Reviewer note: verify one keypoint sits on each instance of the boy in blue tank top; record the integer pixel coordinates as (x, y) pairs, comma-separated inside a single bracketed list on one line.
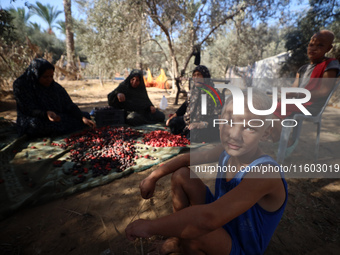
[(249, 199)]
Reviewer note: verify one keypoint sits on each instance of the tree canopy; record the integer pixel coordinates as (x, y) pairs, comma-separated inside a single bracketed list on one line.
[(126, 34), (174, 28), (47, 12)]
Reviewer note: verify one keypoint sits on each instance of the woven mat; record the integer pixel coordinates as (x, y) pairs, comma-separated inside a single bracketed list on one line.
[(37, 171)]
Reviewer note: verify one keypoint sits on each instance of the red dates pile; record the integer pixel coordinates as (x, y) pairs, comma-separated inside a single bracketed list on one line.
[(101, 150), (160, 138)]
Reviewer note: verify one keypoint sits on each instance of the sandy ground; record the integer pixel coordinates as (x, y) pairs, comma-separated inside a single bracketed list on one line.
[(94, 221)]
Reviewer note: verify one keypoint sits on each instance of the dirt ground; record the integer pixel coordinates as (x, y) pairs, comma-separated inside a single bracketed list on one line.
[(91, 222)]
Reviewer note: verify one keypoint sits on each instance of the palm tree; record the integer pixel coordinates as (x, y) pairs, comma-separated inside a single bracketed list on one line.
[(35, 26), (46, 12), (69, 36), (20, 15), (20, 19), (61, 26)]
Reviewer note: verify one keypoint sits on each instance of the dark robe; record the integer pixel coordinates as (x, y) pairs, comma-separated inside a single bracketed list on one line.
[(137, 102), (190, 111), (34, 100)]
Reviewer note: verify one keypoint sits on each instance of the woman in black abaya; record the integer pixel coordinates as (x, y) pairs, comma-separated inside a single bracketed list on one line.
[(44, 108), (131, 95)]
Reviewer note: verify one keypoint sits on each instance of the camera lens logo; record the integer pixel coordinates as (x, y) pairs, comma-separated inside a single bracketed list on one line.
[(209, 93)]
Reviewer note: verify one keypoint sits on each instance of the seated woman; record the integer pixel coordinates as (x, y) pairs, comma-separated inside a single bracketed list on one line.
[(43, 106), (131, 95), (188, 119)]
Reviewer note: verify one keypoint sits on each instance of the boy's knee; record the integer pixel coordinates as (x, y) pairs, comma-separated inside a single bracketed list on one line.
[(190, 246), (195, 246), (216, 242), (181, 175)]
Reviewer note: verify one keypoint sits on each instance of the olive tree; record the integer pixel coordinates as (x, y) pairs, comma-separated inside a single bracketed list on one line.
[(115, 32), (231, 48), (110, 35), (190, 25)]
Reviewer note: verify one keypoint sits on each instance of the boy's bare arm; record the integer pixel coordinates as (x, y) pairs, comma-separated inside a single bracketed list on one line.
[(327, 84), (294, 85), (147, 186), (206, 156), (198, 220), (296, 81)]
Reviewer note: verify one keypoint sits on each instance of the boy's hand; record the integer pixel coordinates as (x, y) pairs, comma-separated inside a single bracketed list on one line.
[(138, 228), (147, 187)]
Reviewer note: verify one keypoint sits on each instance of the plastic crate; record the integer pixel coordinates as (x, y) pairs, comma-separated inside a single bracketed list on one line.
[(108, 116)]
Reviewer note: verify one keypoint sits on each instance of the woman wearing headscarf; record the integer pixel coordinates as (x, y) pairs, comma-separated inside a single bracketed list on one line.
[(44, 108), (188, 120), (131, 95)]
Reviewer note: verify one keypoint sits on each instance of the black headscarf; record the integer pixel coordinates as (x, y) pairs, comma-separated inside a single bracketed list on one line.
[(193, 111), (136, 99), (34, 100), (203, 70), (36, 68)]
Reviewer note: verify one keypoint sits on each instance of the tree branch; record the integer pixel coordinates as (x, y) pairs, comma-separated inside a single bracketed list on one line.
[(153, 40), (228, 17)]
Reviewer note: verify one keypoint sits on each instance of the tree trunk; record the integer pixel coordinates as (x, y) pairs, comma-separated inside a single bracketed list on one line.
[(139, 43), (70, 66), (139, 50)]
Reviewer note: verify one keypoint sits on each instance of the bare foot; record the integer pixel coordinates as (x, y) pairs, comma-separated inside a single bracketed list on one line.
[(171, 245), (165, 247)]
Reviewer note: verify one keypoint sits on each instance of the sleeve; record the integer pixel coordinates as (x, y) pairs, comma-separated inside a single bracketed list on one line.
[(213, 110), (26, 101), (149, 103), (75, 111), (112, 96), (209, 118), (70, 107), (182, 109), (146, 100), (333, 65), (302, 70)]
